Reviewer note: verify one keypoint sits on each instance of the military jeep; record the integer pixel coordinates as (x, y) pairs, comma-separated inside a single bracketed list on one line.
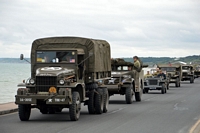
[(173, 73), (65, 73), (122, 81), (155, 83), (188, 73)]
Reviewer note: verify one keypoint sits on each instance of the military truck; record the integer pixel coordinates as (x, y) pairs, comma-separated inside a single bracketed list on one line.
[(173, 73), (155, 83), (197, 71), (65, 73), (188, 73), (122, 81)]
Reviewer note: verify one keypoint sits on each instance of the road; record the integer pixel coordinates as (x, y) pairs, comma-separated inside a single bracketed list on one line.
[(174, 112)]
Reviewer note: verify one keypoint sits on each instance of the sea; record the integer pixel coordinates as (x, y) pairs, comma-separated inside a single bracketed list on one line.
[(12, 74)]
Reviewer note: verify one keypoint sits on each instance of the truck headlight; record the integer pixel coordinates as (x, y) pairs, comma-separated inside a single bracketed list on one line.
[(62, 82), (32, 81)]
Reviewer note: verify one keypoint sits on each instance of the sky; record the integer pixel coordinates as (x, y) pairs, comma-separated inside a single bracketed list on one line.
[(146, 28)]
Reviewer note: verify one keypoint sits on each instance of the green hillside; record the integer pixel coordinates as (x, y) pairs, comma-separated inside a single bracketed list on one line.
[(165, 60)]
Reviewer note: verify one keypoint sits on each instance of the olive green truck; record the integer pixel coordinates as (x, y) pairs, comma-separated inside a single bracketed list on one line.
[(65, 72)]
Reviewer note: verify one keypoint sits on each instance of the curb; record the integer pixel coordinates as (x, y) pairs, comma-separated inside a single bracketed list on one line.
[(8, 111)]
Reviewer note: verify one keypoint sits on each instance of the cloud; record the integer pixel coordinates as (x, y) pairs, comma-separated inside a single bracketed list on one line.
[(144, 28)]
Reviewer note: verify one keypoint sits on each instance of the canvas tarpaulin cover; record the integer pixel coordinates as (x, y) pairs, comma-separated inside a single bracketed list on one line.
[(100, 61)]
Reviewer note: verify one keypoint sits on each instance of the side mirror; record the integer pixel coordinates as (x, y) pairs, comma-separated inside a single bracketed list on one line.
[(21, 56)]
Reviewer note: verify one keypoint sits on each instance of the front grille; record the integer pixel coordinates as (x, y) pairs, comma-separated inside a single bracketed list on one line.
[(185, 74), (153, 82), (43, 83)]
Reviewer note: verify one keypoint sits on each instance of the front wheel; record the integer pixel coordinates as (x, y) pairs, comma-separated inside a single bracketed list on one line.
[(24, 111), (75, 107), (147, 90), (129, 95)]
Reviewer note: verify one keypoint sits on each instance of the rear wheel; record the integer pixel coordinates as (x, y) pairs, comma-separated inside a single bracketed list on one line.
[(192, 80), (91, 108), (105, 100), (75, 107), (137, 96), (163, 89), (24, 111), (98, 102), (177, 82), (129, 95), (147, 90)]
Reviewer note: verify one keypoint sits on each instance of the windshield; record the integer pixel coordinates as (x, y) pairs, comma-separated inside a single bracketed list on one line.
[(55, 57), (168, 69), (124, 68), (185, 67)]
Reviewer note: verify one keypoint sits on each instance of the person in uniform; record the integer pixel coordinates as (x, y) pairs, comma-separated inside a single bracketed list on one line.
[(147, 75), (157, 72), (161, 74), (136, 71)]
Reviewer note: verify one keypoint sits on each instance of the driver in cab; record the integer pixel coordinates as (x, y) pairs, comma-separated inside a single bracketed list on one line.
[(161, 74)]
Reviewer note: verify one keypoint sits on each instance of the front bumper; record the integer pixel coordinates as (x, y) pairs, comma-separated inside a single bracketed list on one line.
[(23, 96), (153, 87), (51, 99)]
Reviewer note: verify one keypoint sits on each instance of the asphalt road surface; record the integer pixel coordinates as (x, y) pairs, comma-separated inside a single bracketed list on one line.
[(174, 112)]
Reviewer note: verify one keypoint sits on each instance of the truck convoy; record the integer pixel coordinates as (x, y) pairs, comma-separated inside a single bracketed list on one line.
[(65, 72)]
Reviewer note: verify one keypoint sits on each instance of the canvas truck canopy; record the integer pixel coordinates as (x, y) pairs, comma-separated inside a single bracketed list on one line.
[(100, 50), (120, 62)]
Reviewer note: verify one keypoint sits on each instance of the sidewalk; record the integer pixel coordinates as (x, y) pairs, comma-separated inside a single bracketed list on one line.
[(6, 108)]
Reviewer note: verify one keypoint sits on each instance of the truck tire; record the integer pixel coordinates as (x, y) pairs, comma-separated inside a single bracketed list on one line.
[(75, 107), (191, 80), (91, 109), (147, 90), (98, 102), (163, 89), (24, 111), (177, 82), (105, 100), (137, 96), (52, 111), (44, 110), (129, 95), (58, 110)]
